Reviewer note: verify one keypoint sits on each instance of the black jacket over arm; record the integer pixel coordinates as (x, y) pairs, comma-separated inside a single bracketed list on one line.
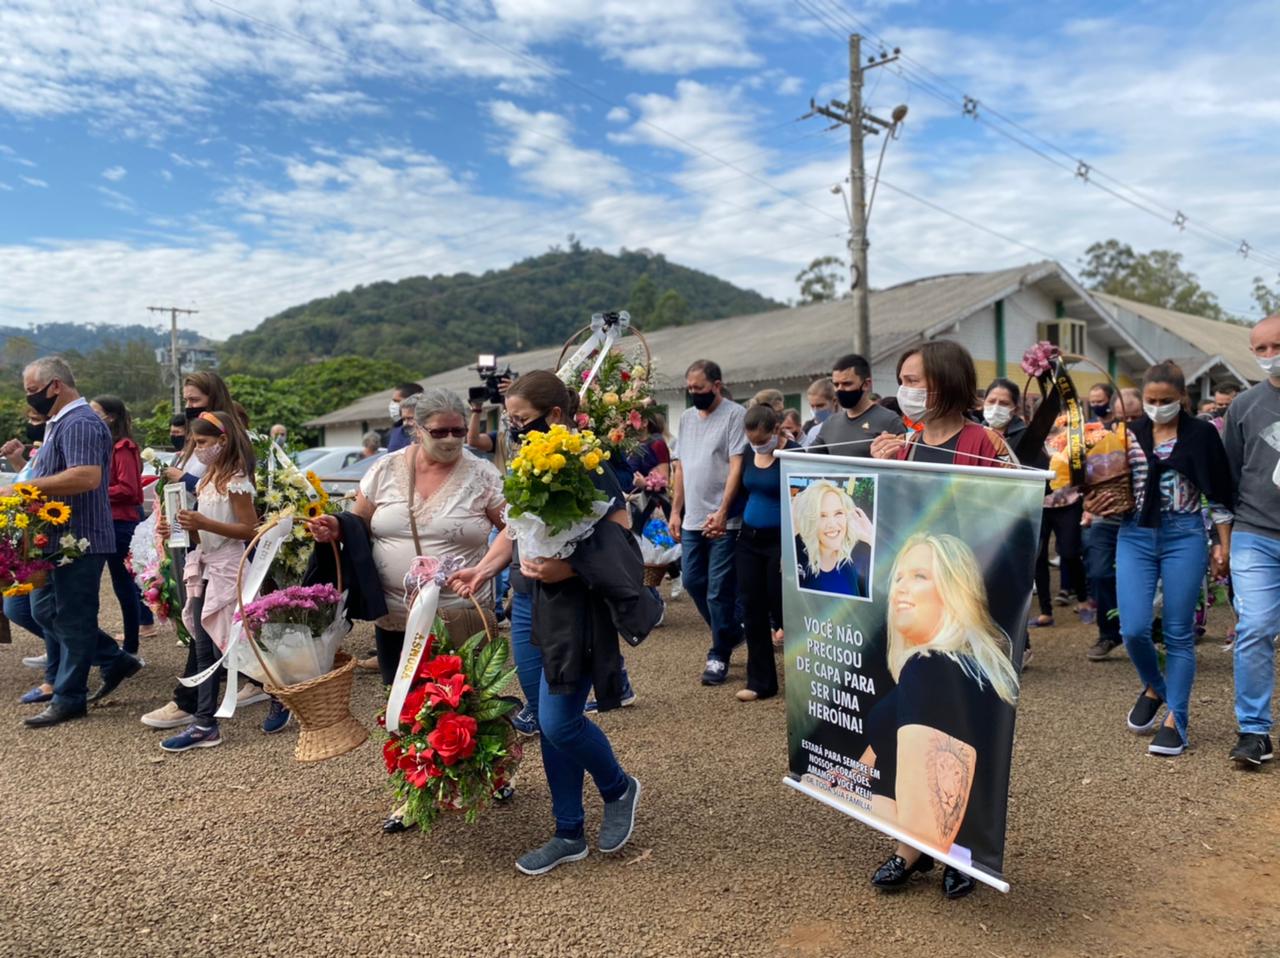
[(365, 600), (1198, 454), (576, 622)]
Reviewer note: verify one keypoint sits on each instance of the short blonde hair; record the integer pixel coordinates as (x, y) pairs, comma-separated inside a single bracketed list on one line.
[(770, 397), (807, 510), (967, 634)]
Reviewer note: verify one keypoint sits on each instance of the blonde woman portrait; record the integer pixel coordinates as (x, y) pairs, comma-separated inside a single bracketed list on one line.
[(833, 541), (933, 739)]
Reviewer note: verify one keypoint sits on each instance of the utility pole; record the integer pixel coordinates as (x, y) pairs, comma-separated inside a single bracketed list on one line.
[(860, 123), (174, 364)]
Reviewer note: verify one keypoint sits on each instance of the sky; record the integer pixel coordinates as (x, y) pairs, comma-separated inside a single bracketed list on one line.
[(245, 156)]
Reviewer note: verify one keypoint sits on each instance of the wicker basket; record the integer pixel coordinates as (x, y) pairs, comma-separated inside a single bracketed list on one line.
[(654, 574), (323, 706), (1119, 486)]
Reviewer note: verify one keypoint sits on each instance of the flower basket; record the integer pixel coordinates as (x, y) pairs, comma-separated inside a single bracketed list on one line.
[(323, 702), (654, 574), (456, 745), (39, 579)]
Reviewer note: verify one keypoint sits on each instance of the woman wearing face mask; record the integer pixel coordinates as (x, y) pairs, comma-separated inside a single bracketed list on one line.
[(936, 385), (202, 391), (575, 609), (1000, 411), (1174, 459), (759, 551)]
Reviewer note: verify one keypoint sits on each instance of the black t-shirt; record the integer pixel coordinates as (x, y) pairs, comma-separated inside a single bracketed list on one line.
[(882, 736), (943, 454), (608, 484), (937, 691)]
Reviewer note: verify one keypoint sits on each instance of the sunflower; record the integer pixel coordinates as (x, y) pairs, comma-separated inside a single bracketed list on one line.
[(317, 486), (19, 588), (313, 510), (55, 513), (27, 491)]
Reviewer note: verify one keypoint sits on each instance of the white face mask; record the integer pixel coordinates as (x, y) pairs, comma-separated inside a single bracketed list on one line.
[(765, 448), (996, 415), (913, 401), (1269, 364), (393, 410), (1164, 413)]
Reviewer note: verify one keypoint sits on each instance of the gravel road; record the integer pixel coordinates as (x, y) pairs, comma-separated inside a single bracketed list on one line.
[(111, 847)]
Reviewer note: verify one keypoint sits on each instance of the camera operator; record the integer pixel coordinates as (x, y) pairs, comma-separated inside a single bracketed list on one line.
[(493, 392), (400, 435)]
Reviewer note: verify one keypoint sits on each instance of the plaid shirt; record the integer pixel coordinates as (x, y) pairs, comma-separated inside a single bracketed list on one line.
[(77, 437)]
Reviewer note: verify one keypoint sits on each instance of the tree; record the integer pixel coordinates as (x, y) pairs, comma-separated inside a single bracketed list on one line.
[(1156, 278), (820, 280), (1268, 299), (672, 310), (643, 300)]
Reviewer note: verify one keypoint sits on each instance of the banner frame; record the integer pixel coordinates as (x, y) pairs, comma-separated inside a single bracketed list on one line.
[(884, 828), (990, 472)]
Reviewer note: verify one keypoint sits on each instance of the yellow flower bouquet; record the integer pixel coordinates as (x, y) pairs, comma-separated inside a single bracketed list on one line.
[(552, 503), (29, 544)]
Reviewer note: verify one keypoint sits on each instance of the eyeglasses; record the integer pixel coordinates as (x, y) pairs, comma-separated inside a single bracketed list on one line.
[(455, 433)]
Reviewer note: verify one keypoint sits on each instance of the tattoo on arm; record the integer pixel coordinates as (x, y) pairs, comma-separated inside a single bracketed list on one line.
[(949, 774)]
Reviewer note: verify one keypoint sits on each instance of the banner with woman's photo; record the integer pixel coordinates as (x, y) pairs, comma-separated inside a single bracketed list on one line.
[(906, 592)]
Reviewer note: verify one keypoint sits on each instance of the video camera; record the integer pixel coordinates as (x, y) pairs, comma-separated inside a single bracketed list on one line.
[(487, 366)]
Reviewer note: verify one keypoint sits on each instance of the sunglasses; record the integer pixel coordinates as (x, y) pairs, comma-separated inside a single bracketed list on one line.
[(455, 433)]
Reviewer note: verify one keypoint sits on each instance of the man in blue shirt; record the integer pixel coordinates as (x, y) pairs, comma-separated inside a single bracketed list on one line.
[(74, 466), (401, 434)]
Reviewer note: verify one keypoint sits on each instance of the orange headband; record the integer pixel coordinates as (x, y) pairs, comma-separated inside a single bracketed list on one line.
[(210, 417)]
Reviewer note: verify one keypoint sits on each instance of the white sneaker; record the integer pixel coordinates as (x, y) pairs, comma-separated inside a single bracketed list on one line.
[(250, 694), (168, 716), (36, 661)]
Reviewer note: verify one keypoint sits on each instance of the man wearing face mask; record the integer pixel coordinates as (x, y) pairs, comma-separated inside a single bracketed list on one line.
[(704, 487), (74, 467), (178, 433), (858, 421), (1102, 400), (401, 433), (1252, 439)]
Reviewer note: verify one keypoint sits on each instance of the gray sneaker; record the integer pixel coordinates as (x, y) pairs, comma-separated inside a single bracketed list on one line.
[(619, 819), (555, 852), (36, 661)]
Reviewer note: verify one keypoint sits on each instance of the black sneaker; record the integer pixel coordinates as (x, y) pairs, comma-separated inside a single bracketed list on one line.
[(1252, 749), (715, 672), (1168, 741), (1143, 715), (1101, 649)]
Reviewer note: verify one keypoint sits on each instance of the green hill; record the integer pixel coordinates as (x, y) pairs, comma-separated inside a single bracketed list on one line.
[(428, 324)]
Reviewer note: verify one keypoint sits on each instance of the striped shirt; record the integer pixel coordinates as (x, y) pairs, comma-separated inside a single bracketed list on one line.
[(76, 436), (1178, 494)]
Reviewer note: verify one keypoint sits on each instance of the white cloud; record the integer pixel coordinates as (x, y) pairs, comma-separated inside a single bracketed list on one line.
[(327, 104), (618, 114), (114, 173), (34, 181), (541, 148), (5, 186)]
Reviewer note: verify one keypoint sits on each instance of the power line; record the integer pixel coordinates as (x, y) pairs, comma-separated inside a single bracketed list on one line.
[(1086, 172)]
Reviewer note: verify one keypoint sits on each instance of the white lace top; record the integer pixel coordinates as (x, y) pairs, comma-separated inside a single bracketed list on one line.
[(452, 522), (216, 505)]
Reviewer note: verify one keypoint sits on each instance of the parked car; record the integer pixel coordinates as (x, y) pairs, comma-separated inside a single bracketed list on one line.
[(326, 460), (347, 480)]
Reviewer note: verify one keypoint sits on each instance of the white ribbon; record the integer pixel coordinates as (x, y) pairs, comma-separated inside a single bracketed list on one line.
[(605, 333), (417, 633), (255, 575)]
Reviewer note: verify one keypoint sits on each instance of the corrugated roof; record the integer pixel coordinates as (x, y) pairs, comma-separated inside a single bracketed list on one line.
[(781, 344), (1211, 337)]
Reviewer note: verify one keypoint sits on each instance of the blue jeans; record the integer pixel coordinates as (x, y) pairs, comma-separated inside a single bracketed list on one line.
[(1255, 571), (501, 583), (528, 657), (1176, 553), (17, 610), (572, 745), (708, 571), (67, 610), (1100, 566)]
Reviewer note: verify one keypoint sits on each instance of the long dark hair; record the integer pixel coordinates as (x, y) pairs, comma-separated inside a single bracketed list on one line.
[(237, 455), (543, 390), (215, 387), (120, 424)]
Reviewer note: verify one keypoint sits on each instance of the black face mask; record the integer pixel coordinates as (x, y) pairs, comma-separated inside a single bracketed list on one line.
[(41, 401), (35, 432), (1100, 410), (178, 442), (191, 412), (518, 432), (849, 398), (701, 401)]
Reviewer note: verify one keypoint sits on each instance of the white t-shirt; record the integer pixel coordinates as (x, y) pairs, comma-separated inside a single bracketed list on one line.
[(452, 522)]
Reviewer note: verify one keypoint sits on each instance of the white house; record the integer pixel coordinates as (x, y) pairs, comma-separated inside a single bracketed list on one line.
[(996, 315)]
